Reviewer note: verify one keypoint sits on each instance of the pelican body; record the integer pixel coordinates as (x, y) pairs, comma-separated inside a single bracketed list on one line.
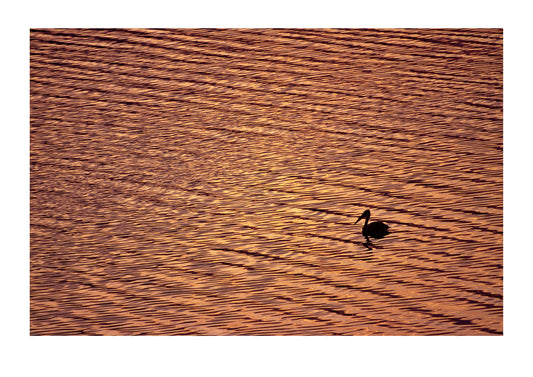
[(376, 229)]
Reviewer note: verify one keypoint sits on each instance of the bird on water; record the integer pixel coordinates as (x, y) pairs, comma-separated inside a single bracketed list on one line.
[(376, 229)]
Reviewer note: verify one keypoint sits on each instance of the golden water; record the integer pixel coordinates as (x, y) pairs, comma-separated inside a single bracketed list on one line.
[(206, 182)]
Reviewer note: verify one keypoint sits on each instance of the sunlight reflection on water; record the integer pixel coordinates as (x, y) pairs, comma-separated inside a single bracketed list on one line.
[(207, 182)]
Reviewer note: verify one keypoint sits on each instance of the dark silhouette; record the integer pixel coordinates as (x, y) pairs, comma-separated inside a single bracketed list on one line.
[(376, 229)]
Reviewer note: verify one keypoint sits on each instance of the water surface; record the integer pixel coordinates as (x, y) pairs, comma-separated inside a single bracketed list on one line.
[(207, 181)]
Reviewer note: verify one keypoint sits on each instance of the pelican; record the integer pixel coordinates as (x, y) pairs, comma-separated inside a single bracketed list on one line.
[(376, 229)]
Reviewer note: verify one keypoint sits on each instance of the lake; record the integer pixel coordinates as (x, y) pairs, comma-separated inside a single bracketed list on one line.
[(207, 181)]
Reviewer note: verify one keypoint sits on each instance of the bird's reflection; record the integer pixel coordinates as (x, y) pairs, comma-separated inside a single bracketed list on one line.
[(368, 245)]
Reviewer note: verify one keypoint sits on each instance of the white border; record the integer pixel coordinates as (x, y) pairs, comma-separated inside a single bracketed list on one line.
[(398, 356)]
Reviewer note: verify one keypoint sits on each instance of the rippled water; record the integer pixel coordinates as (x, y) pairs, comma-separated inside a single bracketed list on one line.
[(207, 181)]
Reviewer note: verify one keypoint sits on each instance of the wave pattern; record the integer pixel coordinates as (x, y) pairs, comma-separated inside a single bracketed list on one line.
[(206, 181)]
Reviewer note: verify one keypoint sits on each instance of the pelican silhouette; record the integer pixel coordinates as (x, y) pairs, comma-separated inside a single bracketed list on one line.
[(376, 229)]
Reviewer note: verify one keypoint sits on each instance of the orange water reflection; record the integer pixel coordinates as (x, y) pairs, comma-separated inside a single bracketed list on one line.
[(206, 182)]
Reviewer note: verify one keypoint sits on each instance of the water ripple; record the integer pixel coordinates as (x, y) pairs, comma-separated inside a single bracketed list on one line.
[(207, 181)]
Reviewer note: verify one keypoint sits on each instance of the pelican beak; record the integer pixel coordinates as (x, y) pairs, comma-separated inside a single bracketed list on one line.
[(360, 217)]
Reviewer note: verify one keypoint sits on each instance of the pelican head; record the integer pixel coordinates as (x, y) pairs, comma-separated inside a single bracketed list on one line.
[(365, 214)]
